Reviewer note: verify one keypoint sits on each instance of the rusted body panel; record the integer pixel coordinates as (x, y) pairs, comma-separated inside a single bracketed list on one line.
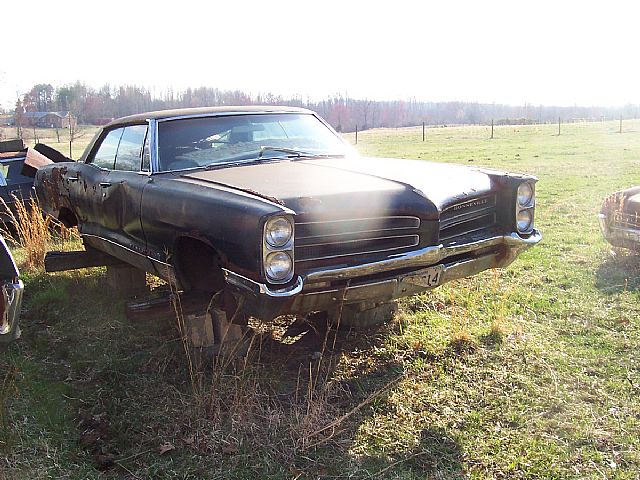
[(366, 227)]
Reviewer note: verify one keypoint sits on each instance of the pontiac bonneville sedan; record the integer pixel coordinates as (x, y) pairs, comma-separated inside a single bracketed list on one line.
[(270, 206)]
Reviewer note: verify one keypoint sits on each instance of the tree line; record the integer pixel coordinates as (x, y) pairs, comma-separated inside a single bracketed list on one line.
[(97, 106)]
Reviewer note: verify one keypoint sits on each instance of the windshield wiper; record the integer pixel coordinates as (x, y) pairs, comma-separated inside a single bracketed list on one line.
[(292, 151)]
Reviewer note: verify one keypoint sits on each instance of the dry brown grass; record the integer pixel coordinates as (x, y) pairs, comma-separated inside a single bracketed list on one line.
[(245, 409), (35, 232), (30, 229)]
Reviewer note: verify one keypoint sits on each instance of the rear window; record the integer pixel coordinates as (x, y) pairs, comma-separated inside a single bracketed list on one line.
[(11, 173)]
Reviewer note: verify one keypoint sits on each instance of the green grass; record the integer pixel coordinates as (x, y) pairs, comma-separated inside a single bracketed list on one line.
[(546, 384)]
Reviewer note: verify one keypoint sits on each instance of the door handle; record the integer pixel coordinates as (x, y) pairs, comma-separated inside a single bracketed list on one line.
[(72, 179), (105, 184)]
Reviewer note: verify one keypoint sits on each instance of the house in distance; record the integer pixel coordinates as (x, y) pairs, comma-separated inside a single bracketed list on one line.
[(47, 119)]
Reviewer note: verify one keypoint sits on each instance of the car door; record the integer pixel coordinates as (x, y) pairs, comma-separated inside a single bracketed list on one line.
[(85, 183), (115, 186)]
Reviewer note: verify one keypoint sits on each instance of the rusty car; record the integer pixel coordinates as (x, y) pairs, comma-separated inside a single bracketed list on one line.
[(620, 219), (270, 206)]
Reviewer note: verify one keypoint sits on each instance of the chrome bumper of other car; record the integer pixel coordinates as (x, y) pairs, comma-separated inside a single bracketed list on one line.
[(314, 291), (625, 237), (11, 298)]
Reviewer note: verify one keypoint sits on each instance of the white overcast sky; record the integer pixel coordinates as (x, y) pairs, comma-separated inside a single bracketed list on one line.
[(539, 52)]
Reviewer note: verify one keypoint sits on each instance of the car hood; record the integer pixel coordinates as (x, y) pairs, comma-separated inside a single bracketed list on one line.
[(360, 186)]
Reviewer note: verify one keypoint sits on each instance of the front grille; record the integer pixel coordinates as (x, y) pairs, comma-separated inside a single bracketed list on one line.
[(471, 216), (626, 220), (353, 237)]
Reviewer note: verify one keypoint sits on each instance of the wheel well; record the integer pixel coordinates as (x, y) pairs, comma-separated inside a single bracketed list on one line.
[(197, 265), (67, 217)]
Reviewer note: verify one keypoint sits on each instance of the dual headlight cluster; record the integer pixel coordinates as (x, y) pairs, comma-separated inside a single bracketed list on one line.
[(277, 249), (525, 206)]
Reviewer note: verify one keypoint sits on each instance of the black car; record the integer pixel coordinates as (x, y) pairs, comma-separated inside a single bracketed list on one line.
[(271, 205), (13, 183)]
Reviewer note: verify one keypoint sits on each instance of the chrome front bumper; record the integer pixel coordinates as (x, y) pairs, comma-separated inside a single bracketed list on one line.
[(618, 236), (313, 291), (11, 298)]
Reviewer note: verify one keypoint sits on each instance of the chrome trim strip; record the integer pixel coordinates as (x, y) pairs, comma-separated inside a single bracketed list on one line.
[(408, 217), (617, 233), (352, 233), (115, 244), (257, 288), (428, 256), (466, 217), (416, 238), (234, 113), (153, 146), (362, 252), (466, 232)]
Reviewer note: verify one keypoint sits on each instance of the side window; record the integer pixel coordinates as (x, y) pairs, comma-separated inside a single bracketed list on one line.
[(129, 155), (105, 156)]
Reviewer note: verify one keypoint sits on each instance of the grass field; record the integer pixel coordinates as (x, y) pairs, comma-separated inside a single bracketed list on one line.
[(531, 372)]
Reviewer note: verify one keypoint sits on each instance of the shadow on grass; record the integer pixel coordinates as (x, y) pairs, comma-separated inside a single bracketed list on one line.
[(126, 403), (620, 272)]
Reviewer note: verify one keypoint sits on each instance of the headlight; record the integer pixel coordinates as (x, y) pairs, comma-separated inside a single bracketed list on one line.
[(278, 266), (278, 231), (524, 220), (525, 194)]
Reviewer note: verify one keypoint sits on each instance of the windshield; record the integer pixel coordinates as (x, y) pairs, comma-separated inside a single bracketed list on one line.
[(211, 141)]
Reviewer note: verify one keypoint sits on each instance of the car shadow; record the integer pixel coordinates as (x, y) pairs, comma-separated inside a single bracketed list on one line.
[(437, 455), (124, 379), (620, 272)]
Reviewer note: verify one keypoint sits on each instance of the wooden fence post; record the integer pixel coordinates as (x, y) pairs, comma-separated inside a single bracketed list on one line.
[(492, 129), (620, 124), (423, 131), (558, 126), (356, 134)]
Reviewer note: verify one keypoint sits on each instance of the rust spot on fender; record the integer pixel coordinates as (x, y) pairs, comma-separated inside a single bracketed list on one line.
[(51, 186)]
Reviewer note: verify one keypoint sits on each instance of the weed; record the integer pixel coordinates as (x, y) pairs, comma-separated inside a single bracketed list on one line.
[(32, 231)]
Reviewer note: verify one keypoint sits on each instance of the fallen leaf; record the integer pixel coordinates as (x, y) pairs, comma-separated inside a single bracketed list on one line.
[(229, 450), (166, 447)]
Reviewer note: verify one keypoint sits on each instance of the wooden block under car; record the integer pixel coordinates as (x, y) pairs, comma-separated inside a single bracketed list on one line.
[(126, 279)]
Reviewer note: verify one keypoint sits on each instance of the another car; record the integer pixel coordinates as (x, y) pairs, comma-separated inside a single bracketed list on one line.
[(11, 289), (620, 219), (272, 207), (13, 183)]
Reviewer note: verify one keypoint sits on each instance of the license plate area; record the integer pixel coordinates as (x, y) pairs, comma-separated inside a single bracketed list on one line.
[(429, 277)]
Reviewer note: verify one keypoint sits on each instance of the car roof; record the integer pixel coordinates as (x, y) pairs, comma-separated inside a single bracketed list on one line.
[(204, 111)]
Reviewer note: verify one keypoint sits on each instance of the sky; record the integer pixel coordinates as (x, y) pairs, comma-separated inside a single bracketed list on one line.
[(507, 52)]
